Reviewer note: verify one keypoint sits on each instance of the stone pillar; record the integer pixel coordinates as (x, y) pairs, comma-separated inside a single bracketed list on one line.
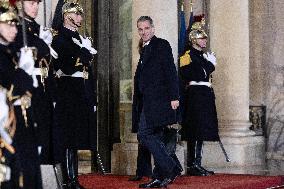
[(50, 9), (164, 15), (229, 38)]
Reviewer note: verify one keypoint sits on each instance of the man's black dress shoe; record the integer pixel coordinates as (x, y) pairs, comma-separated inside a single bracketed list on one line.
[(166, 182), (155, 183), (135, 178), (176, 172), (76, 185)]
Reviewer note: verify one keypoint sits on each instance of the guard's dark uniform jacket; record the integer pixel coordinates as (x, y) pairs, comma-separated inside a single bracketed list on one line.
[(200, 116), (11, 75), (75, 126), (45, 94), (26, 159)]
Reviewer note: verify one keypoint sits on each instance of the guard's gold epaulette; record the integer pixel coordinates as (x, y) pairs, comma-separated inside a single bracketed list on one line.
[(185, 59)]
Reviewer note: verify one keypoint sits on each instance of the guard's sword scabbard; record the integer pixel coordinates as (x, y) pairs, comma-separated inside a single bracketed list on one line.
[(44, 13), (224, 151), (25, 41), (99, 161)]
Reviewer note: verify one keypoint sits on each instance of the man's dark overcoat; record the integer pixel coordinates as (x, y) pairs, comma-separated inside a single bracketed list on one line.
[(155, 85)]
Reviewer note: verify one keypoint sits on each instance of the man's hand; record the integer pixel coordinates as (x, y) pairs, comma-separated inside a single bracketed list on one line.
[(175, 104)]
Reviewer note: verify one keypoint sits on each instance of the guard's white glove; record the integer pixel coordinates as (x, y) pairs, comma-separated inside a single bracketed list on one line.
[(27, 63), (4, 116), (46, 35), (5, 173), (86, 42), (210, 57), (35, 81), (4, 108), (95, 108)]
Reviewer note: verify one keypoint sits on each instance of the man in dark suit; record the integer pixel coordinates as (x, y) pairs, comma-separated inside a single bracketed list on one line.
[(155, 101), (144, 164)]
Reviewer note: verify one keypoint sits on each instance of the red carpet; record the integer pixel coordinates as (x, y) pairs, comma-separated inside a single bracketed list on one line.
[(218, 181)]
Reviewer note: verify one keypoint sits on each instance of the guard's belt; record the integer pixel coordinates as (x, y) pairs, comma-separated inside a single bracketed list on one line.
[(40, 71), (208, 84), (84, 75), (17, 102), (25, 101)]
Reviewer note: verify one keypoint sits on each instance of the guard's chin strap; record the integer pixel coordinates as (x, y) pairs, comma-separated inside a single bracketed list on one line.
[(27, 17), (3, 40), (197, 45)]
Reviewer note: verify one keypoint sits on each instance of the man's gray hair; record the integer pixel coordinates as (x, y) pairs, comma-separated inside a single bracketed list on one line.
[(146, 18)]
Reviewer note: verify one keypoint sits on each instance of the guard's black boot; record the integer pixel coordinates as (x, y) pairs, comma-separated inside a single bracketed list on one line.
[(72, 167), (61, 176), (199, 145), (194, 159)]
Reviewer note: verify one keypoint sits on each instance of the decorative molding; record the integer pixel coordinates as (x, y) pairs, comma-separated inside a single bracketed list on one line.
[(235, 128)]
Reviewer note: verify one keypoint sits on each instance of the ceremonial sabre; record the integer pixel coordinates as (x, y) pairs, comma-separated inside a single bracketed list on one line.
[(224, 151), (85, 20), (99, 161), (44, 13), (25, 42)]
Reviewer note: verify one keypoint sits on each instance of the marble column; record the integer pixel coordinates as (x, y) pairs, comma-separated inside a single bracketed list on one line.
[(164, 15), (50, 9), (229, 38)]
